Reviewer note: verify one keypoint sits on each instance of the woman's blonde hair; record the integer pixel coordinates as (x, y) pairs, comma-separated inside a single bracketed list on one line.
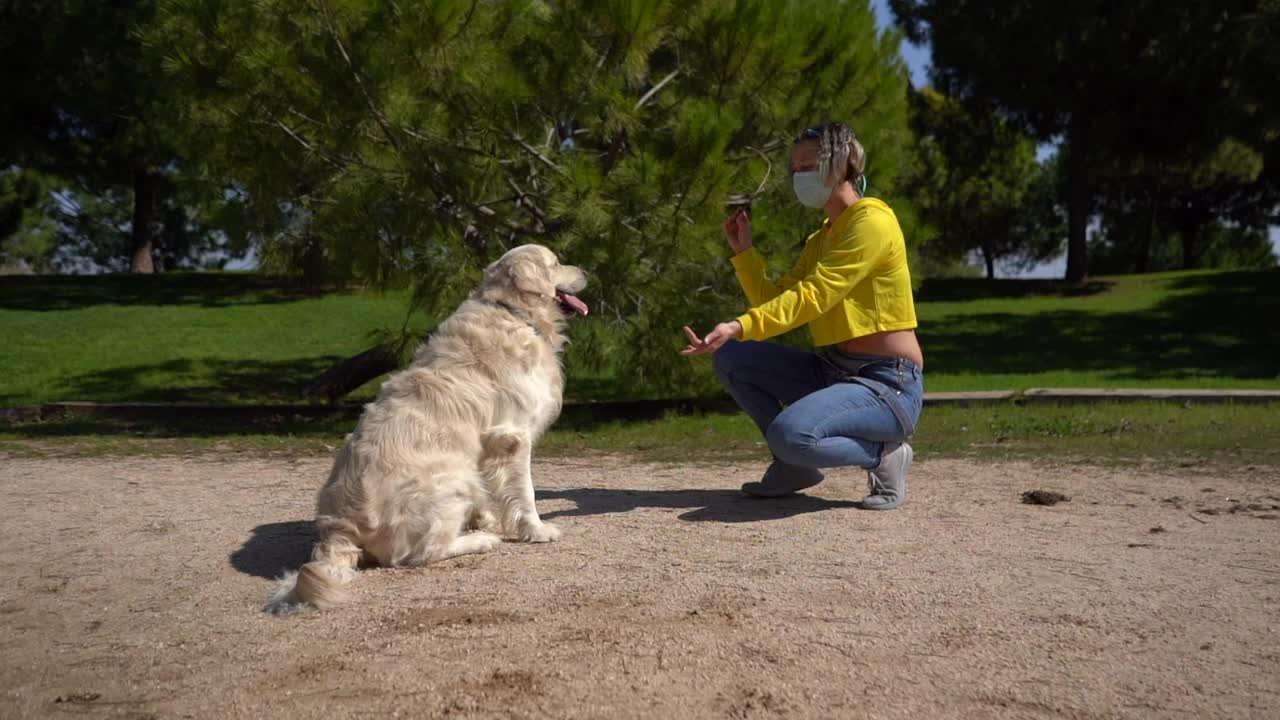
[(840, 155)]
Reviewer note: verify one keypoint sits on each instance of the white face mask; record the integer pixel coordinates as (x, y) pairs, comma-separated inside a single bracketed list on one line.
[(809, 189)]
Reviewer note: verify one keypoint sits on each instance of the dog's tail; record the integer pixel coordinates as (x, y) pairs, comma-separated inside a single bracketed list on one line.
[(321, 583)]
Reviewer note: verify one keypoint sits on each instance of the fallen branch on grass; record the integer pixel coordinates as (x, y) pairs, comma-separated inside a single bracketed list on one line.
[(347, 375)]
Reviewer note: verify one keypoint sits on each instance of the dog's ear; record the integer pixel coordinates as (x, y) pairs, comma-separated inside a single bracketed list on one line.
[(531, 277)]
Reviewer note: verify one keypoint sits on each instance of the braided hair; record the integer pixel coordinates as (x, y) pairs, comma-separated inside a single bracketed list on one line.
[(840, 155)]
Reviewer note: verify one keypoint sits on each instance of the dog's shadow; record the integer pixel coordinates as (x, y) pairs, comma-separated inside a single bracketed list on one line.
[(729, 506), (275, 548)]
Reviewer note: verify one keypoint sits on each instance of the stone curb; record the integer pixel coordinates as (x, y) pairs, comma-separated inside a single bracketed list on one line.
[(1086, 395)]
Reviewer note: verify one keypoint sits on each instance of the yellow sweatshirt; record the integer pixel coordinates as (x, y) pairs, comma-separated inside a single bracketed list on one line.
[(851, 280)]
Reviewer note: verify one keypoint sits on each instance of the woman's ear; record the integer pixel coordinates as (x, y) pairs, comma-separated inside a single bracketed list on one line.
[(530, 277)]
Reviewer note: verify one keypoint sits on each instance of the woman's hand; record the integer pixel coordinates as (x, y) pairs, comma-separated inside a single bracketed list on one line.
[(723, 333), (737, 230)]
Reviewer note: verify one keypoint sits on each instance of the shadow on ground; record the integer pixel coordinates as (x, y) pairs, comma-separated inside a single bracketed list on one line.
[(274, 549), (328, 421), (728, 506), (71, 292), (198, 380), (966, 289)]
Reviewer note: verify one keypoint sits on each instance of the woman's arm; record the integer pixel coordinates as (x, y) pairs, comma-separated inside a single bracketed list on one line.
[(749, 265), (855, 250), (754, 277)]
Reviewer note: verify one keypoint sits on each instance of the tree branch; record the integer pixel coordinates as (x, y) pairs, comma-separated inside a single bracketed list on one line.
[(466, 21), (499, 201), (768, 168), (654, 90), (373, 106), (525, 200), (308, 146), (533, 151)]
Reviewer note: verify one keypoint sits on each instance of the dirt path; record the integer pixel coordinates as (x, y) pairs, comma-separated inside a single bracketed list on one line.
[(132, 588)]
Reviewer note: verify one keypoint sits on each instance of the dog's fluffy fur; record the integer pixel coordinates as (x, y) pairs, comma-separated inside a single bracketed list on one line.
[(439, 462)]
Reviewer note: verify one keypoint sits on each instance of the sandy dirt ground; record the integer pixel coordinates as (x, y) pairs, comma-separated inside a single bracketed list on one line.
[(132, 588)]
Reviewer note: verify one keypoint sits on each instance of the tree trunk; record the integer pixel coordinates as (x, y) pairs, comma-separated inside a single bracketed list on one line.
[(1077, 200), (1192, 229), (144, 207), (1145, 233), (989, 258)]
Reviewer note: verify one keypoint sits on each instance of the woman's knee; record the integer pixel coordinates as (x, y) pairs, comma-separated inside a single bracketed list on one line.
[(789, 442)]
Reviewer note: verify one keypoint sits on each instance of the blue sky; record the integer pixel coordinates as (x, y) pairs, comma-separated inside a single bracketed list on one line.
[(917, 56)]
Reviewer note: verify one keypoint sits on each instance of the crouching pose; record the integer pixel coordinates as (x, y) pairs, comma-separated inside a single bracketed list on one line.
[(855, 400)]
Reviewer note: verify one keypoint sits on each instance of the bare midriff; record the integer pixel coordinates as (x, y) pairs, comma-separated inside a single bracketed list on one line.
[(898, 343)]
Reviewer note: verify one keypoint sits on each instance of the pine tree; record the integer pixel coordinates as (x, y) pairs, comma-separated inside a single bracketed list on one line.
[(978, 184), (387, 141), (1144, 83), (88, 109), (27, 236)]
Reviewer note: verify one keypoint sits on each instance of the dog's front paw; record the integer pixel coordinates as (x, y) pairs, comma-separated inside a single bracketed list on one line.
[(485, 541), (539, 532)]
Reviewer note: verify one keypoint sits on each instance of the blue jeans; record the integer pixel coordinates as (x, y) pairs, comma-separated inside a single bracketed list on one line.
[(828, 421)]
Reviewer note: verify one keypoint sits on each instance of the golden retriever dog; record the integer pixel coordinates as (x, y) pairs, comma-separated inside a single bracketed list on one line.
[(439, 462)]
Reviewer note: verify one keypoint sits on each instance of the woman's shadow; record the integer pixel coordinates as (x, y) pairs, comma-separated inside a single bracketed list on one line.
[(729, 506), (274, 549)]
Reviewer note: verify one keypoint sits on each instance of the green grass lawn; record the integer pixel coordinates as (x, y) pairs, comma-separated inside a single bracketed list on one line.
[(208, 337), (1103, 434), (244, 338), (1174, 330)]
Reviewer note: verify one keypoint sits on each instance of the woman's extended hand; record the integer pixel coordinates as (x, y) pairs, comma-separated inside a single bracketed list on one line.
[(737, 230), (723, 333)]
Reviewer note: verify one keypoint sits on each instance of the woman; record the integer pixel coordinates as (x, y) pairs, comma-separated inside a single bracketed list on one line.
[(856, 399)]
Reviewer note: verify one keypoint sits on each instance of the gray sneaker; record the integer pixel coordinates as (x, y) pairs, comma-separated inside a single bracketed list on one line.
[(887, 483), (783, 479)]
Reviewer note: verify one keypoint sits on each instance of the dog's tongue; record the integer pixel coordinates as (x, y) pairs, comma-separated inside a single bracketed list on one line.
[(572, 301)]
